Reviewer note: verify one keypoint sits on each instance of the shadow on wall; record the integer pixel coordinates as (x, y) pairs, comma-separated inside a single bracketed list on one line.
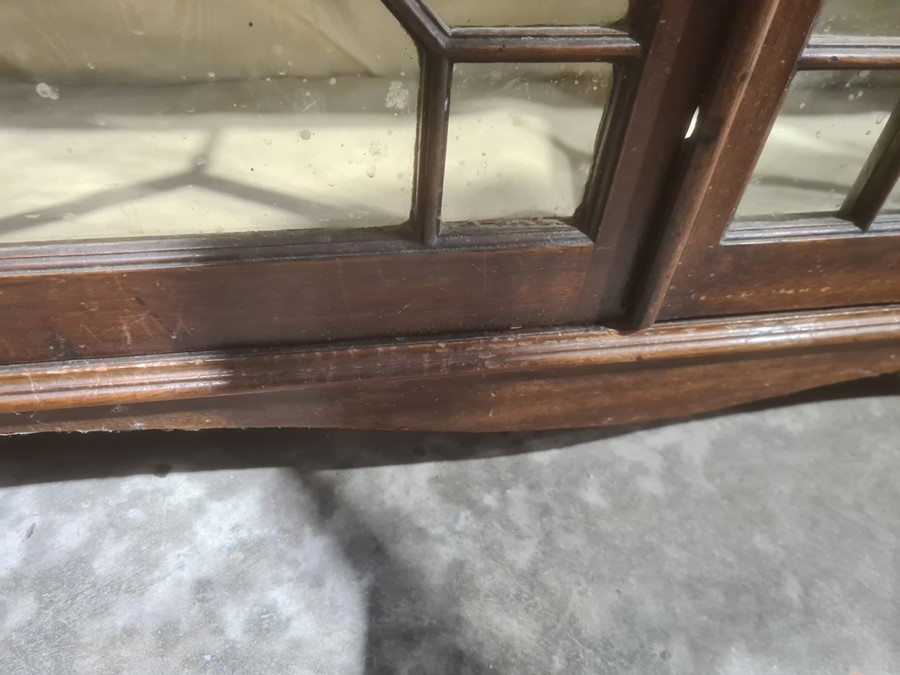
[(196, 177)]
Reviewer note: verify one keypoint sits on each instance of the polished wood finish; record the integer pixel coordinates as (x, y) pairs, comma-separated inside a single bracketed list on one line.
[(474, 403), (766, 41), (527, 380), (707, 266), (781, 275), (494, 326), (497, 277), (653, 102), (495, 45), (91, 299), (833, 52), (802, 229)]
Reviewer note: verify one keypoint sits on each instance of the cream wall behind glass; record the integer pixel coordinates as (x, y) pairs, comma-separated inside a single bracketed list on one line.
[(139, 117)]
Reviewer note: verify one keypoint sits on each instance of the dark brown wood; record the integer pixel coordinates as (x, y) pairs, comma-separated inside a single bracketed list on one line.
[(165, 295), (328, 328), (423, 25), (436, 78), (833, 52), (512, 381), (296, 245), (653, 101), (522, 44), (539, 33), (474, 403), (702, 267), (876, 180), (168, 251), (540, 44), (732, 126), (99, 304), (769, 231), (780, 275)]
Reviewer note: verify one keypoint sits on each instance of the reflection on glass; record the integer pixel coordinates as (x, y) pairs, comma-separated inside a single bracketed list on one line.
[(819, 143), (521, 138), (146, 117), (530, 12), (859, 17)]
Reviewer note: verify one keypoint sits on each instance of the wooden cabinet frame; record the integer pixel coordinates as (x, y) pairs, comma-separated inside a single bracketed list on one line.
[(496, 325), (704, 266), (89, 299)]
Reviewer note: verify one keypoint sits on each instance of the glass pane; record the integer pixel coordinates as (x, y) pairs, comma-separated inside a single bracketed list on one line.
[(530, 12), (859, 17), (892, 205), (819, 143), (521, 138), (147, 117)]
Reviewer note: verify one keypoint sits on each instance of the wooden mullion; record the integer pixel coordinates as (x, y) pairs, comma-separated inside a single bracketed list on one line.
[(598, 33), (435, 80), (536, 44), (732, 127), (643, 132), (826, 52), (432, 38), (423, 26), (876, 180)]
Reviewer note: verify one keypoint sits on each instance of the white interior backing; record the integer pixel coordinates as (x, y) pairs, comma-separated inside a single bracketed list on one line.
[(139, 117), (821, 139)]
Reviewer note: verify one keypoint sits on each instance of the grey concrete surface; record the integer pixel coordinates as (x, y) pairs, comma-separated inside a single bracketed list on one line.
[(765, 541)]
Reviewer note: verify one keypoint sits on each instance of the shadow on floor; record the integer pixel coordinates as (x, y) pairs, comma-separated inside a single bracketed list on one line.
[(51, 457), (404, 614)]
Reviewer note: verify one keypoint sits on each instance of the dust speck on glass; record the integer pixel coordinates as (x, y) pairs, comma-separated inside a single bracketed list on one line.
[(150, 117), (821, 139), (167, 117), (863, 18), (521, 138)]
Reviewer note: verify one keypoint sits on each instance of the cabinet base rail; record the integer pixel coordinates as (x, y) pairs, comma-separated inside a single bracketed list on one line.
[(514, 380)]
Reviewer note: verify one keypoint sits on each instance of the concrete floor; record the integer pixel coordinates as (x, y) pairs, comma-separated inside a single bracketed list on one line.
[(756, 542)]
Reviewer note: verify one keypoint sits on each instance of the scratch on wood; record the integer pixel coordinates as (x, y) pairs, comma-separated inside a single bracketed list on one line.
[(127, 331), (34, 392), (182, 326)]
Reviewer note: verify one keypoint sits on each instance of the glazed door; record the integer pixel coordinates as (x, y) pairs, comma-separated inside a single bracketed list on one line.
[(788, 198), (205, 176)]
